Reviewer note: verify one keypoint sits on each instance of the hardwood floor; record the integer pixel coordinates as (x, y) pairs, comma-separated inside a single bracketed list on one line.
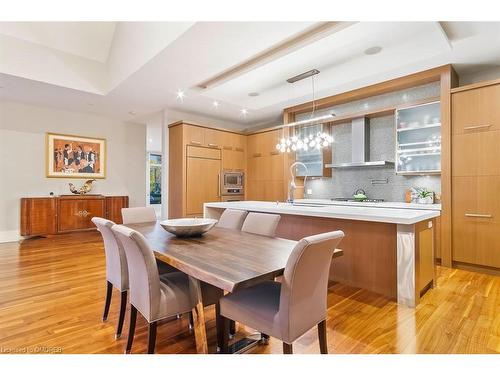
[(52, 293)]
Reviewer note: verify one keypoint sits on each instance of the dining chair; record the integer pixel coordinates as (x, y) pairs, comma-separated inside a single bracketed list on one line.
[(133, 215), (155, 299), (232, 219), (262, 224), (288, 309), (116, 270)]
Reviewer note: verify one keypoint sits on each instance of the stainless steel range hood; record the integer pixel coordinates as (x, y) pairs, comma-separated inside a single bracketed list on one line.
[(360, 139)]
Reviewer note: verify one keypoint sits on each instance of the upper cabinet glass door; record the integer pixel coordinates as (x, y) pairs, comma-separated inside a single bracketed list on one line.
[(418, 139)]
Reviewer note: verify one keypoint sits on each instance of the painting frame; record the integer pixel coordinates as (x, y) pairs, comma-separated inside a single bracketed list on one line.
[(96, 143)]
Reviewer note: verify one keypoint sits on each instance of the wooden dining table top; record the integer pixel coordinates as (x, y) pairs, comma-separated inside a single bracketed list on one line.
[(225, 258)]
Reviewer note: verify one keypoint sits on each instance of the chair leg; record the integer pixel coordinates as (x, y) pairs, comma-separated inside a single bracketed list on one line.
[(131, 330), (232, 327), (121, 318), (222, 333), (322, 337), (151, 337), (287, 348), (264, 339), (191, 320), (109, 293)]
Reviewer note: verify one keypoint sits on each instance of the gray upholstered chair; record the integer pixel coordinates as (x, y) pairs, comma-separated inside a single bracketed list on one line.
[(116, 269), (133, 215), (232, 219), (259, 223), (155, 299), (288, 309)]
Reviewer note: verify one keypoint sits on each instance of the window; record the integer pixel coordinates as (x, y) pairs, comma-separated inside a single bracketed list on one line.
[(154, 179)]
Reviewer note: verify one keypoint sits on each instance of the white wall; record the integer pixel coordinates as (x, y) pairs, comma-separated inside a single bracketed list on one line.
[(487, 74), (22, 157)]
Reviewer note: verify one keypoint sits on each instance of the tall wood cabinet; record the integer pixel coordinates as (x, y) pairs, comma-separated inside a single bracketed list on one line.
[(68, 213), (265, 167), (197, 157), (476, 175)]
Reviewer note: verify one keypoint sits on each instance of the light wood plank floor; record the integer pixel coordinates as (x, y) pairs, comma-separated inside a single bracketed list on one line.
[(52, 293)]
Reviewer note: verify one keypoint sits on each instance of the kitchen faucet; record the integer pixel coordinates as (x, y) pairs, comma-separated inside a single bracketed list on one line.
[(293, 186)]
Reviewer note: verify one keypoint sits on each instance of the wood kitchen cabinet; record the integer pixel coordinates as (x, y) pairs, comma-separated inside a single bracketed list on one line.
[(197, 156), (265, 167), (68, 213), (476, 176), (203, 184)]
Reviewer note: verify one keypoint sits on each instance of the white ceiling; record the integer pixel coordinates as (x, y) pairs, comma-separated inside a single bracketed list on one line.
[(139, 67), (90, 40)]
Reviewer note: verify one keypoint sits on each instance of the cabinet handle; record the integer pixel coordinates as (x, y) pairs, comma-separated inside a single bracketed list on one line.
[(479, 215), (213, 145), (256, 154), (195, 142), (218, 185), (477, 127), (227, 148), (274, 152), (239, 149)]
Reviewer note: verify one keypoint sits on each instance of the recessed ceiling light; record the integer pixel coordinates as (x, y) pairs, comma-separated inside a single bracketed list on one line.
[(244, 111), (253, 94), (373, 50), (181, 95), (132, 113), (215, 104), (150, 140)]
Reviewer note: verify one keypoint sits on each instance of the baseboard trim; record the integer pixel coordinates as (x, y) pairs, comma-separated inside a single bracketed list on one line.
[(9, 236), (477, 268)]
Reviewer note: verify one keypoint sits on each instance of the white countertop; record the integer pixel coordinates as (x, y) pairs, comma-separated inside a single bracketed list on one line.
[(375, 213), (417, 206)]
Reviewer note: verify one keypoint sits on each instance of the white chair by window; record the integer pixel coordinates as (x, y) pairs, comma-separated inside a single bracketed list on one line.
[(133, 215), (116, 269)]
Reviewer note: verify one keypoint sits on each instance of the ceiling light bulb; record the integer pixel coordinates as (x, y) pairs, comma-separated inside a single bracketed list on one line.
[(325, 143), (278, 146), (244, 112), (181, 95), (312, 143), (294, 147), (215, 104), (288, 149), (288, 142)]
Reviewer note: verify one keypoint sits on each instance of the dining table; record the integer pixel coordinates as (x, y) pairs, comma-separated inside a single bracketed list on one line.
[(225, 258)]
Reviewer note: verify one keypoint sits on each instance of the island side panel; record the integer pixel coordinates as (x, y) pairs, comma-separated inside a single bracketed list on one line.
[(370, 257)]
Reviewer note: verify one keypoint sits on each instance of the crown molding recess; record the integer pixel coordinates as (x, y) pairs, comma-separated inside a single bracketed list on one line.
[(309, 36)]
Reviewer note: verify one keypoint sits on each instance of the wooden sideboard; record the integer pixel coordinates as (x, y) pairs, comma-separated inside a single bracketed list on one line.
[(68, 213)]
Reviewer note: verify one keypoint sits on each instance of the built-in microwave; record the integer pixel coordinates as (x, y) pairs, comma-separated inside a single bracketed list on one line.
[(232, 182)]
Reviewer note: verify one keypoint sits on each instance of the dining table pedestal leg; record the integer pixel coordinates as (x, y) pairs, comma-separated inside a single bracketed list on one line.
[(200, 333)]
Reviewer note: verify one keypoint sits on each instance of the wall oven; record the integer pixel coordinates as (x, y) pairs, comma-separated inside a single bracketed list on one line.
[(232, 182)]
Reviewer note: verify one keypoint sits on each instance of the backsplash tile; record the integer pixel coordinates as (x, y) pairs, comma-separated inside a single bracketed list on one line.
[(344, 182)]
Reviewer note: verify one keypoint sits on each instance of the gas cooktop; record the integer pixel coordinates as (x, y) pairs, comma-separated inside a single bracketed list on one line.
[(355, 200)]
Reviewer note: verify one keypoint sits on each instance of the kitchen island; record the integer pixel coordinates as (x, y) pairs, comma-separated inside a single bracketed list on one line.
[(387, 250)]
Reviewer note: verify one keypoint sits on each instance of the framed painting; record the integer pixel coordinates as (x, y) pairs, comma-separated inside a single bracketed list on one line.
[(73, 156)]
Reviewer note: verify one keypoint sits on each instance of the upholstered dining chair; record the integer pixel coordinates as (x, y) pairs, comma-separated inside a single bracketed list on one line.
[(232, 219), (155, 299), (116, 270), (288, 309), (133, 215), (262, 224)]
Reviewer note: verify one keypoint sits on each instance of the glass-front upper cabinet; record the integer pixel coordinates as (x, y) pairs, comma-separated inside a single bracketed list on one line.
[(418, 139), (313, 158)]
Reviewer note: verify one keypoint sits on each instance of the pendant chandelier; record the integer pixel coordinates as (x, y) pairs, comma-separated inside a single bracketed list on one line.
[(298, 142)]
